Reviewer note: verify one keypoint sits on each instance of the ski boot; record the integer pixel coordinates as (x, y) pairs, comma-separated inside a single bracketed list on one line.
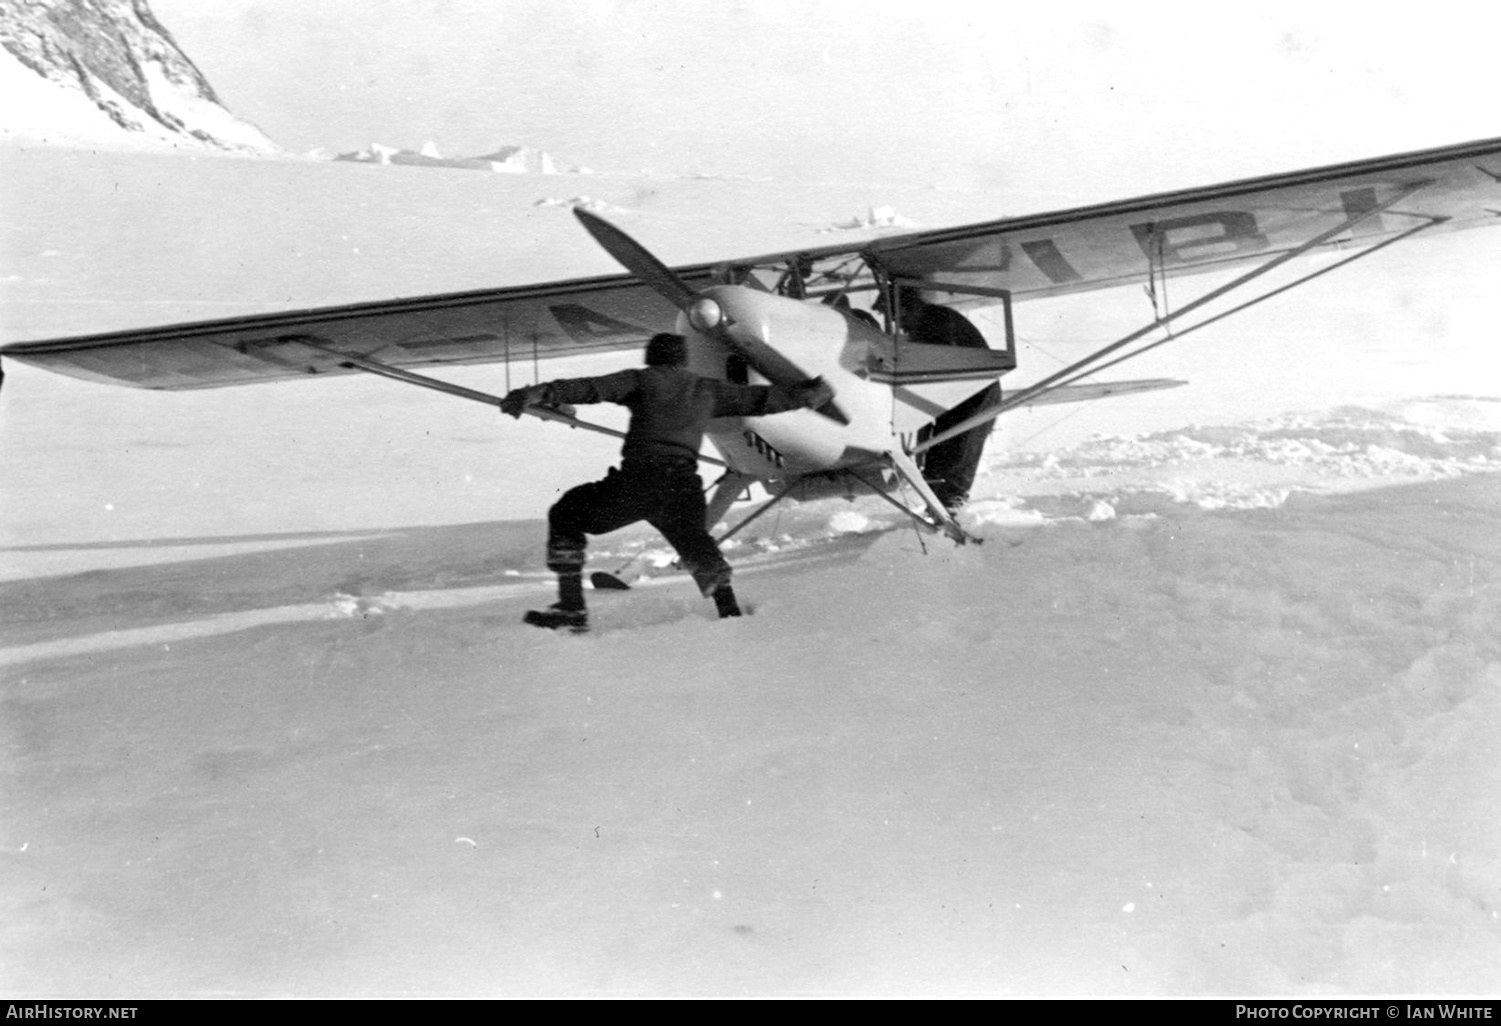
[(557, 618)]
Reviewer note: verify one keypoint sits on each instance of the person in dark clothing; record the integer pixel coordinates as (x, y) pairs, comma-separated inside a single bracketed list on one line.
[(657, 480), (949, 467)]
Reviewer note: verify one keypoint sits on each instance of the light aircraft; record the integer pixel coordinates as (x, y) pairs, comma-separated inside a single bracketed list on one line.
[(789, 316)]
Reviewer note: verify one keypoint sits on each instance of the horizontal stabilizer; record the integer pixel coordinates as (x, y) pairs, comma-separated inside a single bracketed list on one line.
[(1101, 390)]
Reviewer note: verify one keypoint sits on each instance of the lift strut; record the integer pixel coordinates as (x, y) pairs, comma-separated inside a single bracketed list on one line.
[(385, 370), (1090, 364)]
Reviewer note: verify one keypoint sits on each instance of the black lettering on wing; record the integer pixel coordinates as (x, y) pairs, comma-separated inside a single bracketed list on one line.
[(1044, 253), (585, 325), (1182, 240)]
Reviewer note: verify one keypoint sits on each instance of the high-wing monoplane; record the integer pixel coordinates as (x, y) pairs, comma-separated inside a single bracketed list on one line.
[(789, 316)]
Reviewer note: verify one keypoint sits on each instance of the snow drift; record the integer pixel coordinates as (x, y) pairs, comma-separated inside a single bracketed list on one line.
[(1238, 747), (515, 160)]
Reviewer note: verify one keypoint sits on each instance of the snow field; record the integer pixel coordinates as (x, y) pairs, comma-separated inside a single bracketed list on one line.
[(1228, 751)]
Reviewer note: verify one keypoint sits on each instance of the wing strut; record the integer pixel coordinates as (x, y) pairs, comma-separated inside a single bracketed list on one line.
[(1248, 303), (1085, 367), (385, 370)]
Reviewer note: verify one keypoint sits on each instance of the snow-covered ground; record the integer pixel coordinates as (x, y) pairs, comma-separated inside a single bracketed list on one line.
[(1214, 708)]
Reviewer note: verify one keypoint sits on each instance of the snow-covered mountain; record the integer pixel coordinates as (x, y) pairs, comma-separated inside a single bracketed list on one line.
[(106, 73), (518, 160)]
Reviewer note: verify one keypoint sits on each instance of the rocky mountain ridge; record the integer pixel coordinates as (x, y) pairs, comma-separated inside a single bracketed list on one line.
[(102, 72), (107, 74)]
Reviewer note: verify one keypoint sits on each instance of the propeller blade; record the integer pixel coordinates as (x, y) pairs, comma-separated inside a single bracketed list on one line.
[(637, 259), (657, 276)]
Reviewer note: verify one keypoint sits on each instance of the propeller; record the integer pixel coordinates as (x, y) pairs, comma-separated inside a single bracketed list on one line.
[(637, 259), (703, 312)]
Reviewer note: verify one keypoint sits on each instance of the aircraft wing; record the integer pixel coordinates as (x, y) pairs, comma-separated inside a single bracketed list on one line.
[(1357, 204), (1350, 205), (521, 324)]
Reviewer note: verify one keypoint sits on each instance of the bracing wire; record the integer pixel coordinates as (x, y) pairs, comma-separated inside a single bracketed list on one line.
[(1078, 409)]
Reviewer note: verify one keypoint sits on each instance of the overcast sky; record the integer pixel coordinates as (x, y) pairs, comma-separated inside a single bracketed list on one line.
[(945, 92)]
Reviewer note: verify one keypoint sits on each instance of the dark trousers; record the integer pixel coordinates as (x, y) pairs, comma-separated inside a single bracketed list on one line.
[(665, 492), (949, 467)]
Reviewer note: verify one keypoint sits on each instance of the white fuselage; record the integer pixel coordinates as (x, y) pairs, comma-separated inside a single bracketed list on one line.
[(819, 341), (802, 339)]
